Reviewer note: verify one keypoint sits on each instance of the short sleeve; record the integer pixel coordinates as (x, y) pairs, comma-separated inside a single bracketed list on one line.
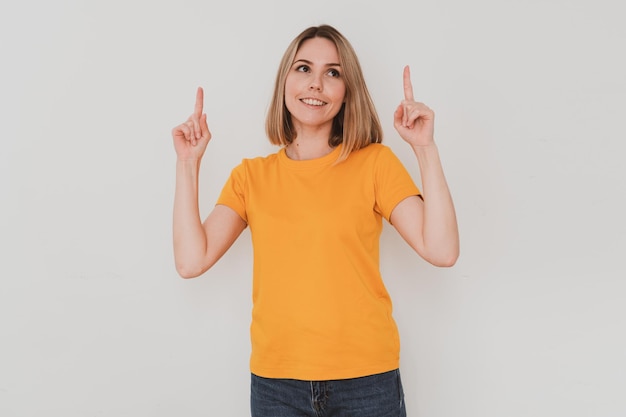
[(233, 193), (392, 181)]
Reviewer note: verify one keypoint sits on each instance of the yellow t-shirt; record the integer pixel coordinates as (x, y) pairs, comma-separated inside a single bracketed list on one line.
[(320, 308)]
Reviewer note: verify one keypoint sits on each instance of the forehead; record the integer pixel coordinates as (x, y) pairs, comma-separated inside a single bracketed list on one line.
[(318, 50)]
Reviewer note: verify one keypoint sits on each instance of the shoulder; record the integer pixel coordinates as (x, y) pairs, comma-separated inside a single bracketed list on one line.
[(258, 162), (380, 160), (373, 153)]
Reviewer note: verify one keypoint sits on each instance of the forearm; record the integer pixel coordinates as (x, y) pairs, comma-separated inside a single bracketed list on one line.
[(440, 229), (190, 241)]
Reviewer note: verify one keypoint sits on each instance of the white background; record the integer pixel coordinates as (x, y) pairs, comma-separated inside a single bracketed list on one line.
[(529, 96)]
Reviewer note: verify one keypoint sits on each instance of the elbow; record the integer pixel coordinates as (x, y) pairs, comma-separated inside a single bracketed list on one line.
[(193, 268), (189, 266), (445, 262), (188, 272), (445, 259)]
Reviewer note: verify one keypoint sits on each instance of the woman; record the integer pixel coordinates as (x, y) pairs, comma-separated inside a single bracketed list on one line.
[(323, 338)]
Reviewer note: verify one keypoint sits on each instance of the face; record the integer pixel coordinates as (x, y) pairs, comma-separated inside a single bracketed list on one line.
[(314, 87)]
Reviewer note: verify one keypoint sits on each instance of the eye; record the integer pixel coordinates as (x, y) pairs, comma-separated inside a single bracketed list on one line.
[(303, 68), (334, 73)]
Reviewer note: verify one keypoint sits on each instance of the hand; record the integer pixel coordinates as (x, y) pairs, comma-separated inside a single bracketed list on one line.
[(192, 137), (414, 121)]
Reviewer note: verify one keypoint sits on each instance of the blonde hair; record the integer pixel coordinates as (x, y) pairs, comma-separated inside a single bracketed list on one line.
[(355, 126)]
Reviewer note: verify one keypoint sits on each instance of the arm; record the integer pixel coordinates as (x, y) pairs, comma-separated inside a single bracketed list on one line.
[(428, 226), (197, 245)]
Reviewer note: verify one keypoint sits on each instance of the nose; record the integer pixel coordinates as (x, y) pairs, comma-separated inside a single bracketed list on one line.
[(316, 84)]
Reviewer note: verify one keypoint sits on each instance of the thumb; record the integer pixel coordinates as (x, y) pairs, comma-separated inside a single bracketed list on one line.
[(204, 127), (398, 114)]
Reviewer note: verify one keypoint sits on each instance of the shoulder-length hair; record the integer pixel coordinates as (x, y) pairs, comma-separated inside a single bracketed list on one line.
[(355, 126)]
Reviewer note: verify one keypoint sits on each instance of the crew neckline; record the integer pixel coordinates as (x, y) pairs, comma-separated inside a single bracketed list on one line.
[(322, 161)]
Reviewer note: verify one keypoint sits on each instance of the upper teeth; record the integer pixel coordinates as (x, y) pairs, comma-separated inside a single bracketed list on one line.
[(312, 102)]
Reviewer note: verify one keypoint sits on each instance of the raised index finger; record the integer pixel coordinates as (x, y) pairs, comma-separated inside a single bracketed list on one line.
[(199, 102), (408, 87)]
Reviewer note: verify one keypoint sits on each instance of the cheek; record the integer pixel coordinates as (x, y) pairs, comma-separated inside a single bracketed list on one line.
[(291, 83), (291, 89), (288, 93), (340, 93)]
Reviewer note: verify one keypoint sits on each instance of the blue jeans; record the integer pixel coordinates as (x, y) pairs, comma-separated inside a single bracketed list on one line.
[(377, 395)]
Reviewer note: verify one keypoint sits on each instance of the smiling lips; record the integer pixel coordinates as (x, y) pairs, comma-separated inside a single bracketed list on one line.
[(312, 102)]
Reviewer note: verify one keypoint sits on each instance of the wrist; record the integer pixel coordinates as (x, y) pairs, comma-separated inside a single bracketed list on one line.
[(430, 147), (187, 167), (192, 160), (427, 155)]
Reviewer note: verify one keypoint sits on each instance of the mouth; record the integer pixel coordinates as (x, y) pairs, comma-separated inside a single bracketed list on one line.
[(313, 102)]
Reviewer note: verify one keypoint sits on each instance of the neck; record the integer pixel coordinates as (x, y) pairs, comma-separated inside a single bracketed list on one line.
[(301, 150)]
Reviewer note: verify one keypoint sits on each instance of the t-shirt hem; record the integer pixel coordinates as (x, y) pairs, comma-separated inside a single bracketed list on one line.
[(233, 207), (398, 199), (319, 375)]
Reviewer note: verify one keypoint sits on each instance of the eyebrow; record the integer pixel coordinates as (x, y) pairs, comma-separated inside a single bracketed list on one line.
[(306, 61)]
